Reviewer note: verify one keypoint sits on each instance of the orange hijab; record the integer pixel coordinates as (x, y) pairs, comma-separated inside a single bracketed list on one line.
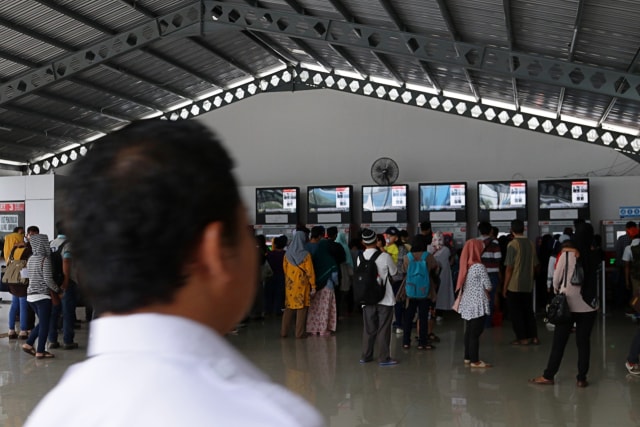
[(471, 254)]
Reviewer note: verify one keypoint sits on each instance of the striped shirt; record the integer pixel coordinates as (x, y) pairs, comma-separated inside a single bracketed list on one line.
[(39, 266), (492, 256)]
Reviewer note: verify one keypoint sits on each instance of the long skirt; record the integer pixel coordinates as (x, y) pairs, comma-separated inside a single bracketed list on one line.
[(321, 318)]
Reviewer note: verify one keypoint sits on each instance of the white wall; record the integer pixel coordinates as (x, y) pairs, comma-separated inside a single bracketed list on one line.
[(39, 195), (328, 137)]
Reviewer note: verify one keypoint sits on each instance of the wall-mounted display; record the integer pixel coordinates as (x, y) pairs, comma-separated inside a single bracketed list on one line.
[(384, 203), (502, 200), (443, 202), (329, 204), (563, 199), (277, 205)]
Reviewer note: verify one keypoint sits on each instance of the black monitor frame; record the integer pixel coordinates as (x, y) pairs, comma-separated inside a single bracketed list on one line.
[(505, 213), (281, 216), (391, 215), (574, 188), (328, 215), (444, 214)]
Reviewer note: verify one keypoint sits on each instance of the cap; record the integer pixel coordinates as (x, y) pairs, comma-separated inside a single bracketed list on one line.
[(368, 236), (393, 231)]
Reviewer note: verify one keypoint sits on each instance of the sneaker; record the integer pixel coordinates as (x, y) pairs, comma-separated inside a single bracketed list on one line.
[(399, 331), (70, 346), (366, 360), (54, 344), (633, 368), (388, 362)]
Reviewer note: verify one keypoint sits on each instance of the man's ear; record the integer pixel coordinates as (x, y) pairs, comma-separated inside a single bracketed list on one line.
[(211, 254)]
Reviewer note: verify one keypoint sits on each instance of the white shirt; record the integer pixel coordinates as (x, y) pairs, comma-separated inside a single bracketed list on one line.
[(386, 268), (158, 370), (627, 255)]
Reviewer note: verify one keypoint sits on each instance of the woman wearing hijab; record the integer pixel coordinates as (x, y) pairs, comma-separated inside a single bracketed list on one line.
[(442, 254), (582, 301), (300, 285), (41, 285), (474, 283)]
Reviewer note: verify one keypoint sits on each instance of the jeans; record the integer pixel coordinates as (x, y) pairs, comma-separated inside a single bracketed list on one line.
[(18, 305), (584, 324), (42, 309), (398, 309), (68, 310), (522, 317), (422, 305), (473, 330)]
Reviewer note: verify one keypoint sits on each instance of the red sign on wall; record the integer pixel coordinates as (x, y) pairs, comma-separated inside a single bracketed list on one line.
[(12, 207)]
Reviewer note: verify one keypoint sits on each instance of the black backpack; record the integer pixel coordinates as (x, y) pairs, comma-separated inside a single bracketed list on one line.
[(56, 264), (366, 289)]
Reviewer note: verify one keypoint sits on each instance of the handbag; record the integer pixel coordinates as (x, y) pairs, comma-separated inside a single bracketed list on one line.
[(456, 303), (13, 269), (558, 312), (401, 295), (577, 278)]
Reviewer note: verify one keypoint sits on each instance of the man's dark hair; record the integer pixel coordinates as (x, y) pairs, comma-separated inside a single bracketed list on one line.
[(419, 243), (495, 231), (33, 229), (317, 232), (484, 228), (280, 242), (332, 232), (517, 226), (17, 229), (425, 226), (60, 228), (631, 224), (137, 207)]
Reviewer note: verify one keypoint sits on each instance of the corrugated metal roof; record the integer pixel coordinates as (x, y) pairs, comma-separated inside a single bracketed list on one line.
[(71, 70)]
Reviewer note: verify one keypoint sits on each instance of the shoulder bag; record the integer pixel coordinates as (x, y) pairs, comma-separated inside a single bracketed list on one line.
[(558, 312)]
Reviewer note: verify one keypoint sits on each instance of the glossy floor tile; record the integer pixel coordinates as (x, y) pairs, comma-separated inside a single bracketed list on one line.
[(427, 388)]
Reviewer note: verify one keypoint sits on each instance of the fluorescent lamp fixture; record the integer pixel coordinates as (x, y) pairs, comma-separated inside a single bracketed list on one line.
[(314, 67), (299, 52), (240, 82), (272, 70), (578, 121), (384, 81), (152, 115), (181, 105), (94, 137), (43, 157), (539, 112), (420, 88), (458, 95), (67, 148), (498, 104), (6, 129), (12, 163), (208, 94), (620, 129), (350, 74)]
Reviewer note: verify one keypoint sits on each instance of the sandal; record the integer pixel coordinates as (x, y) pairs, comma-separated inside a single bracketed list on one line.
[(13, 335), (535, 341), (541, 380), (45, 355), (434, 338), (520, 342), (426, 347), (480, 364), (29, 349), (407, 346)]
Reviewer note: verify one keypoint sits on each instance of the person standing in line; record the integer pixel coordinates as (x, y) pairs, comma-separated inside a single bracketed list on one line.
[(41, 285), (300, 285), (582, 301), (631, 261), (344, 304), (322, 317), (69, 286), (398, 252), (491, 258), (521, 262), (442, 254), (133, 184), (475, 285), (621, 292), (274, 287), (377, 317), (19, 305)]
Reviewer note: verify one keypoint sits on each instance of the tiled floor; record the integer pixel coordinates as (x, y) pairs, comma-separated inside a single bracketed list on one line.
[(426, 388)]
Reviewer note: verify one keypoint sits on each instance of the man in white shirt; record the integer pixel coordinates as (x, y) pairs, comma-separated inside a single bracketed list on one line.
[(157, 355), (377, 317)]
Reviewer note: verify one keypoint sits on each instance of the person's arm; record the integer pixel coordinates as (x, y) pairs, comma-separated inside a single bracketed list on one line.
[(311, 274), (66, 270), (507, 278), (627, 274)]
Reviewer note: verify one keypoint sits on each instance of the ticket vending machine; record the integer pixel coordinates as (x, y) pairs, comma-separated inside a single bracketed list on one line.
[(500, 202), (560, 202), (384, 206), (330, 206), (276, 212), (445, 206)]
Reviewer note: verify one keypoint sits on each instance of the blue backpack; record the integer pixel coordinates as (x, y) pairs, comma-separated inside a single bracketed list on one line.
[(417, 285)]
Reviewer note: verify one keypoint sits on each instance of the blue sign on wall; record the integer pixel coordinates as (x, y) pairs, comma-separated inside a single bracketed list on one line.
[(629, 211)]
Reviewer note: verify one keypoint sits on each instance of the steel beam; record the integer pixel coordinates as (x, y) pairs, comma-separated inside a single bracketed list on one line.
[(135, 4), (118, 94), (506, 5), (53, 118), (224, 57), (490, 60), (164, 86), (75, 103), (170, 24), (572, 49)]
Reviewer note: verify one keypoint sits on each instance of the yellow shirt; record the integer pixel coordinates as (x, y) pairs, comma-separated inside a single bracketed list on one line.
[(10, 241), (392, 250), (299, 280)]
